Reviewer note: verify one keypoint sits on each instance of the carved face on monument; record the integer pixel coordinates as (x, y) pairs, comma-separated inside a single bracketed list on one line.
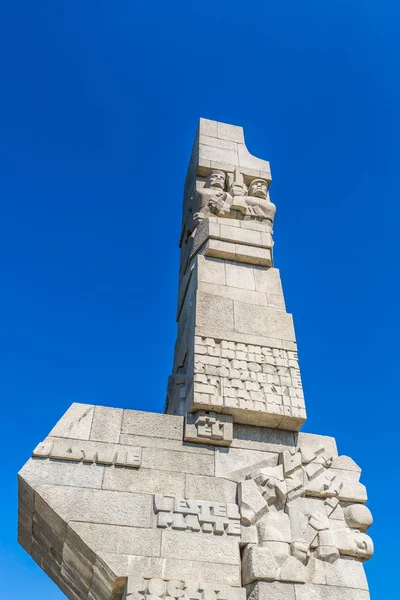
[(216, 180), (258, 188)]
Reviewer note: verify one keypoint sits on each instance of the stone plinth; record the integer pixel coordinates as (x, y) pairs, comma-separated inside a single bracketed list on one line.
[(148, 506)]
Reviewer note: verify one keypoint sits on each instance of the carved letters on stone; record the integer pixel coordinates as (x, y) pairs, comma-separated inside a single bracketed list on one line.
[(209, 427), (246, 376), (152, 589), (292, 513), (82, 453), (197, 515)]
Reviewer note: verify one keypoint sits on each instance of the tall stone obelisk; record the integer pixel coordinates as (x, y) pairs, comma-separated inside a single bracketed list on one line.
[(236, 351), (221, 498)]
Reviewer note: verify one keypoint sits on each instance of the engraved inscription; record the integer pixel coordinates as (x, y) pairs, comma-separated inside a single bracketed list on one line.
[(152, 589), (82, 453), (197, 515), (209, 427), (249, 377)]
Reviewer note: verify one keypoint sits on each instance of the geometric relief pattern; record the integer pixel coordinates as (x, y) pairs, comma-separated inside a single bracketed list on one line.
[(292, 515), (246, 376)]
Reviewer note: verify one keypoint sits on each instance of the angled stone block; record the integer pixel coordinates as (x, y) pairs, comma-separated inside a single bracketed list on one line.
[(346, 572), (141, 423), (76, 423), (328, 592), (122, 565), (261, 590), (98, 506), (185, 545), (172, 460), (106, 424), (210, 488), (79, 474), (147, 481), (123, 539)]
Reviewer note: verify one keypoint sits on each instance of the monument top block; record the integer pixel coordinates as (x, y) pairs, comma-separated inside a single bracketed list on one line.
[(222, 146)]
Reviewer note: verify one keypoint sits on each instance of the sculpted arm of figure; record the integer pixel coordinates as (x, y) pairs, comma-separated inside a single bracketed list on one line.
[(256, 205), (261, 207), (221, 203)]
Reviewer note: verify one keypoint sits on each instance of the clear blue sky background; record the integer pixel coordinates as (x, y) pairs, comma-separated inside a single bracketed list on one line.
[(98, 111)]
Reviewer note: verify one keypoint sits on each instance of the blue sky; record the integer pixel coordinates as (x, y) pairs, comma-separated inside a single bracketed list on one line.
[(98, 110)]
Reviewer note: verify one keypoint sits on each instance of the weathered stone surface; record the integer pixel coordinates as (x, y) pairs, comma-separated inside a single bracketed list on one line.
[(38, 470), (358, 516), (187, 546), (160, 443), (211, 309), (261, 438), (239, 276), (170, 568), (267, 321), (106, 425), (119, 539), (346, 463), (270, 591), (147, 481), (136, 422), (328, 592), (346, 572), (171, 460), (311, 441), (234, 293), (210, 488), (76, 423), (211, 270), (229, 461), (98, 506), (353, 490)]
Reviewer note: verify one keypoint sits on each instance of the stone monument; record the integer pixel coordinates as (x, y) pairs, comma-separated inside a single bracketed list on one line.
[(221, 498)]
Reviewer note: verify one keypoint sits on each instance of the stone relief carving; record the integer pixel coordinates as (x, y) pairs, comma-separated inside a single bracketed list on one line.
[(209, 427), (197, 515), (82, 453), (214, 200), (155, 588), (255, 204), (246, 376), (292, 514), (234, 199)]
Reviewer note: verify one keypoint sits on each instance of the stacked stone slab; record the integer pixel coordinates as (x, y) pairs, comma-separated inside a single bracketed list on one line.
[(222, 498)]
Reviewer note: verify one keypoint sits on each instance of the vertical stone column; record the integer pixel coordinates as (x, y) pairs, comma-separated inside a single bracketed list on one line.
[(235, 351)]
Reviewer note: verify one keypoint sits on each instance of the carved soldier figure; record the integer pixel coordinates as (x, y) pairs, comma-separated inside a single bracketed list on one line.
[(213, 199), (256, 204)]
